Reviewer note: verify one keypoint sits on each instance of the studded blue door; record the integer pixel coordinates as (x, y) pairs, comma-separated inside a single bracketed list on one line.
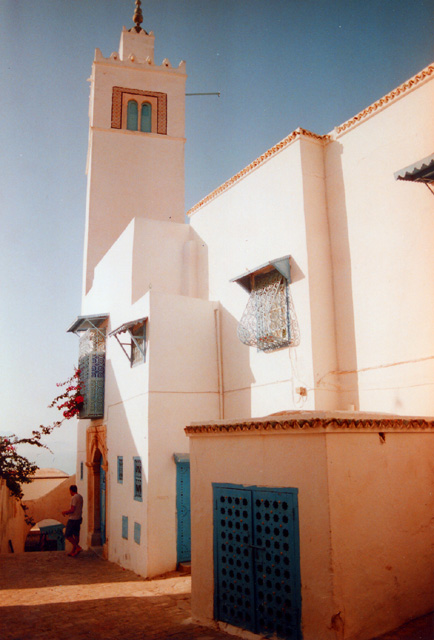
[(183, 507), (102, 490), (257, 574)]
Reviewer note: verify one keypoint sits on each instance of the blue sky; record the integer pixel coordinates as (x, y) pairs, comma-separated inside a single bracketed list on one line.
[(278, 64)]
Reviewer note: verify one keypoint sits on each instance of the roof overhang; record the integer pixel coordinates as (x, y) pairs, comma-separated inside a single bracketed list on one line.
[(181, 458), (282, 265), (421, 171), (128, 327), (83, 323)]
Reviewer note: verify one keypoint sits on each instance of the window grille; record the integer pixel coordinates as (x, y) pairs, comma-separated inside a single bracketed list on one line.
[(92, 372), (137, 479), (120, 469), (125, 527), (269, 320)]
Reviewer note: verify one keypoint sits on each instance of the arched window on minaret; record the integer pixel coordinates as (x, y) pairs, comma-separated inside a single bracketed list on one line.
[(146, 117), (132, 115)]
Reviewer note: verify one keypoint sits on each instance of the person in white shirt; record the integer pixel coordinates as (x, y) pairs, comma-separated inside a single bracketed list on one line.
[(72, 532)]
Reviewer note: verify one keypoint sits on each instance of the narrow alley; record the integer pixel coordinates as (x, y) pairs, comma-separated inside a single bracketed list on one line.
[(49, 596)]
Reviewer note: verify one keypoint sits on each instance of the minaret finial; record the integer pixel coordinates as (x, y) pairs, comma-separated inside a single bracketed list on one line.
[(138, 17)]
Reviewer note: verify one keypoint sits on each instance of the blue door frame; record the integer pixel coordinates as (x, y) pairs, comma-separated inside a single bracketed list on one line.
[(183, 541), (257, 559)]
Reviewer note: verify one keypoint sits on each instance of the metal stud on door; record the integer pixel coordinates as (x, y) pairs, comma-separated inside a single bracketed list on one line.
[(233, 557), (277, 573), (183, 510), (257, 575)]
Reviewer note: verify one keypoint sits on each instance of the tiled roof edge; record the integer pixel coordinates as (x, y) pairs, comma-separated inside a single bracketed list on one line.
[(257, 163), (385, 100), (403, 88), (317, 424)]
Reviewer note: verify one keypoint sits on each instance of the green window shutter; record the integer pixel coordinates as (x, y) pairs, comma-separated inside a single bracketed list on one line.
[(137, 479), (146, 117), (132, 115), (125, 527), (120, 469), (137, 532), (92, 372)]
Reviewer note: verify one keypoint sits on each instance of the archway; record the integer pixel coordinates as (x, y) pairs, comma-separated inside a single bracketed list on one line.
[(97, 487)]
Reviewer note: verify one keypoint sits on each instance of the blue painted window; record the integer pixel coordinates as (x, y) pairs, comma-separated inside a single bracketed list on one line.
[(120, 469), (91, 363), (137, 479), (125, 527), (137, 532), (146, 117), (132, 115), (81, 471)]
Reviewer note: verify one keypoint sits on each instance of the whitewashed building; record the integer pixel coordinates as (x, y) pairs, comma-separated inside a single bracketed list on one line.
[(303, 283)]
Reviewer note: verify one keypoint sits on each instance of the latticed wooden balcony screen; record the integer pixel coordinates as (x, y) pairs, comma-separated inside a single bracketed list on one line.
[(92, 367), (269, 321)]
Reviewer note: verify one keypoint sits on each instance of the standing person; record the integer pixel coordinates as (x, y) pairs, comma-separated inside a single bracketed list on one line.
[(72, 532)]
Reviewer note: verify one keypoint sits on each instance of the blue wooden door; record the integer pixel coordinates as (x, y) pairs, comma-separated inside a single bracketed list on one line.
[(102, 498), (256, 555), (183, 507)]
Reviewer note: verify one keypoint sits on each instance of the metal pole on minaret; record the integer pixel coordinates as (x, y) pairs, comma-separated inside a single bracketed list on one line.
[(138, 17)]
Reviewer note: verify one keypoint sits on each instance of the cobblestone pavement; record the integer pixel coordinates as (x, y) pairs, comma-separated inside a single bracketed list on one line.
[(49, 596)]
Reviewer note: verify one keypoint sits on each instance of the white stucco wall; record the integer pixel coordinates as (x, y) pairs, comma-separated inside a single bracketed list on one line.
[(131, 174), (183, 386), (381, 496), (146, 274), (382, 232), (276, 210), (365, 511), (360, 243), (276, 461)]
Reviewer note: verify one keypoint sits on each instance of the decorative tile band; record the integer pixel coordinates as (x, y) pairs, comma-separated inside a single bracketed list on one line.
[(317, 424), (409, 84), (161, 107), (257, 163)]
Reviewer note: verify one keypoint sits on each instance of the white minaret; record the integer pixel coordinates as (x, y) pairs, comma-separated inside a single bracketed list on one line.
[(135, 163)]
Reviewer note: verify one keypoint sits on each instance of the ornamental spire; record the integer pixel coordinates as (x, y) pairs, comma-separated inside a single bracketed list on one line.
[(138, 18)]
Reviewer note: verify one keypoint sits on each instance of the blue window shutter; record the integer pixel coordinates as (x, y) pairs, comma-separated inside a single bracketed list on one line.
[(137, 479), (146, 118), (91, 363), (132, 115), (137, 532), (120, 469), (125, 527)]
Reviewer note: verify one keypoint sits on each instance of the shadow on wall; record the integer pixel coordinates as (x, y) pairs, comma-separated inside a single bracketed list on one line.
[(342, 281), (237, 399)]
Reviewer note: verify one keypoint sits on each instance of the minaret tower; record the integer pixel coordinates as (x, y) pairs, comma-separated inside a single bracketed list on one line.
[(135, 163)]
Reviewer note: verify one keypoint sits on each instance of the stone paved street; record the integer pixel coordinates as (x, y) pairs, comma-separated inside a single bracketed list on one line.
[(49, 596)]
